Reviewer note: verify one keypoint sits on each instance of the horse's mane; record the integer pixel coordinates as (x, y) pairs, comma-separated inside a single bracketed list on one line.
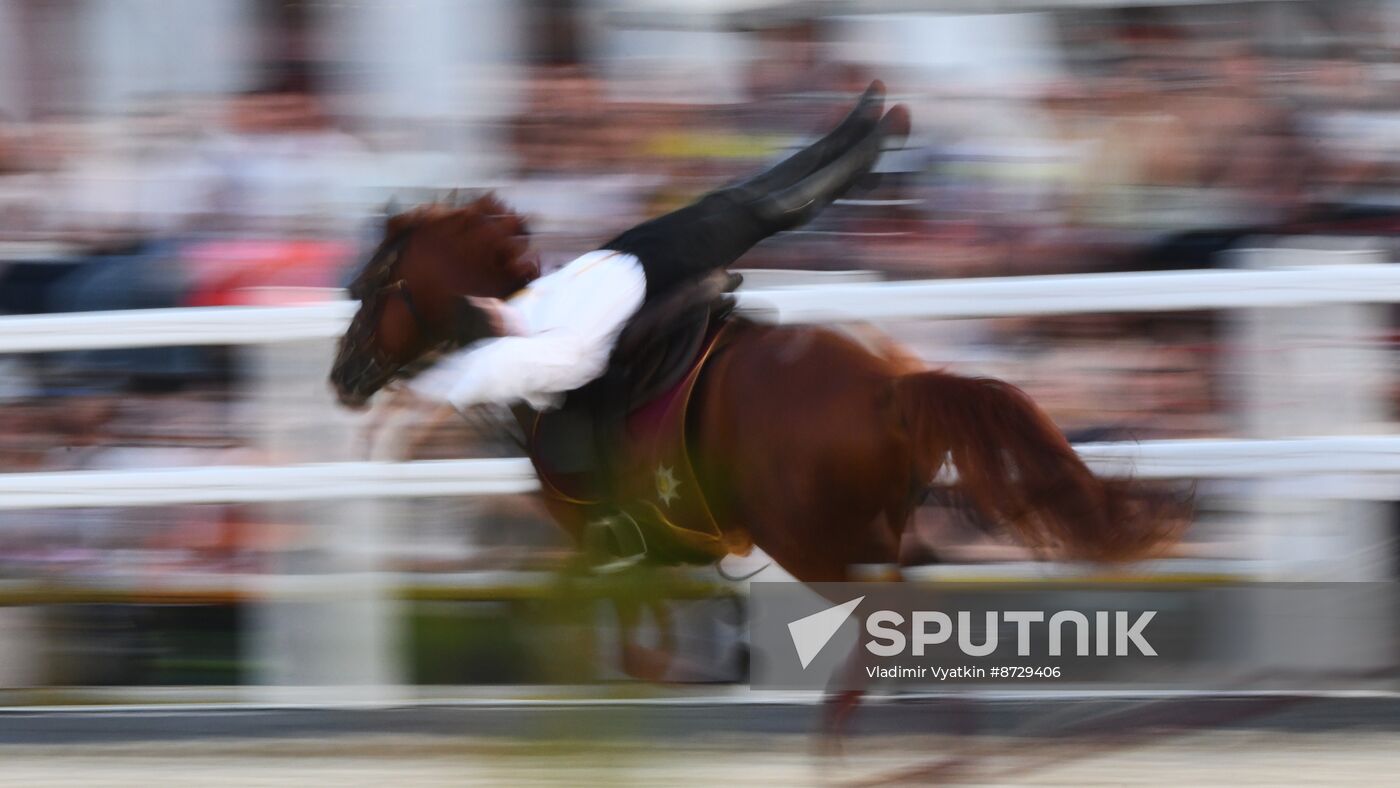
[(484, 234)]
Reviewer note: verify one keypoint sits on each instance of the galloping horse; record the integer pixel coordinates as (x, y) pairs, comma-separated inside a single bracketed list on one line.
[(805, 442)]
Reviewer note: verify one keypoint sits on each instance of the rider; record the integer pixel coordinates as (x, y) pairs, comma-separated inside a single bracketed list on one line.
[(556, 335)]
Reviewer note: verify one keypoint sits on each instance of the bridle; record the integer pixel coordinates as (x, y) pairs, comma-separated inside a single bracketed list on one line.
[(365, 342), (380, 265), (371, 359), (400, 289), (359, 350)]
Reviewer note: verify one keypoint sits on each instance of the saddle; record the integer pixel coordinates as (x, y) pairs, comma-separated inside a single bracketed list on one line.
[(620, 442), (660, 342)]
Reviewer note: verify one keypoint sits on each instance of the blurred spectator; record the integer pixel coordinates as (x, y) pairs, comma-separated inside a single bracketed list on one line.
[(281, 164)]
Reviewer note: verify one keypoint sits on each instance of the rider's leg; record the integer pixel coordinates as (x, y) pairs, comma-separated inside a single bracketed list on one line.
[(716, 224), (857, 124), (799, 203), (723, 225)]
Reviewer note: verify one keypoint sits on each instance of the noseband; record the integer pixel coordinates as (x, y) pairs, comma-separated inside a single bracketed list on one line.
[(469, 325)]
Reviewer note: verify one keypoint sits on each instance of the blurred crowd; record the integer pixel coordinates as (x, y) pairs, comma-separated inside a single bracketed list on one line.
[(1156, 146)]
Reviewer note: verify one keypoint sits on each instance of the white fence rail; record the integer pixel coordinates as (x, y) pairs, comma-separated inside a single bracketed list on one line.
[(963, 298), (216, 325), (1374, 456), (266, 483), (1078, 293)]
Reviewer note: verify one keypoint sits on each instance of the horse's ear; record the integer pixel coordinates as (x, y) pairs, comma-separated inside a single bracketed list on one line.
[(391, 209)]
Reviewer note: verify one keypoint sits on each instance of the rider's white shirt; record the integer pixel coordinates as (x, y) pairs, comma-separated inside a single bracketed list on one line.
[(560, 332)]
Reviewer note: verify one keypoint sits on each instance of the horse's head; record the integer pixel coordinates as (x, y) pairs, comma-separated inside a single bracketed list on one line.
[(429, 259)]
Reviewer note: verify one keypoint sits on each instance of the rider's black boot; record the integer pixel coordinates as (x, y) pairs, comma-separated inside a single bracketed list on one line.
[(858, 123), (716, 230), (799, 202)]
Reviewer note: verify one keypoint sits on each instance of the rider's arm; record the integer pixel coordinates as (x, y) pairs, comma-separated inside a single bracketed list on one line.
[(531, 369), (562, 333)]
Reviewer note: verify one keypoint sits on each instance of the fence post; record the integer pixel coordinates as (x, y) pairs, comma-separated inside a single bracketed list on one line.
[(1306, 371), (325, 626)]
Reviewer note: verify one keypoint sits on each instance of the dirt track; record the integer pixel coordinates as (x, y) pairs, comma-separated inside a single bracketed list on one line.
[(1234, 758)]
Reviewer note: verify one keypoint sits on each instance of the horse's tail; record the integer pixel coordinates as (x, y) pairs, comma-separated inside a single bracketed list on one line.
[(1017, 467)]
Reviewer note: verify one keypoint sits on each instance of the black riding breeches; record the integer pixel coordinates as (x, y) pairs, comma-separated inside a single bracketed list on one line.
[(720, 227), (689, 243)]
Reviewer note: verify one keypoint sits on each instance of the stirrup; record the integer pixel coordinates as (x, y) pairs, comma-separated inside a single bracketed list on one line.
[(625, 533)]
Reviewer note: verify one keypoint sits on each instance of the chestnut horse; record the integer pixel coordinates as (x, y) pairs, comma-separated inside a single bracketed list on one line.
[(806, 441)]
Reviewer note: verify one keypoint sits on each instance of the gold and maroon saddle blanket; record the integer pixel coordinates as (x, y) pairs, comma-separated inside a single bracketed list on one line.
[(659, 487)]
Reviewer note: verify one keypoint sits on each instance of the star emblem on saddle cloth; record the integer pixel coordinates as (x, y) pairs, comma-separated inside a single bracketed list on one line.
[(666, 484)]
